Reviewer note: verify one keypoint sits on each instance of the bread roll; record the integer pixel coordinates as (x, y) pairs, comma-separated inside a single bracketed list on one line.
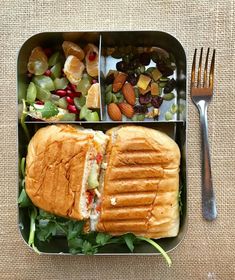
[(141, 183), (58, 163)]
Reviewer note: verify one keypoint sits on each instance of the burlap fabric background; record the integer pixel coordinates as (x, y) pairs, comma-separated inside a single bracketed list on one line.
[(208, 249)]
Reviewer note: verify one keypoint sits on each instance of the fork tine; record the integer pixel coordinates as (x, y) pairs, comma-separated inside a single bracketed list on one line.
[(205, 70), (199, 69), (193, 69), (211, 76)]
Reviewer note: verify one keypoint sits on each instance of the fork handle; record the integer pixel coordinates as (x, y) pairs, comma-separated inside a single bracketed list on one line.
[(208, 198)]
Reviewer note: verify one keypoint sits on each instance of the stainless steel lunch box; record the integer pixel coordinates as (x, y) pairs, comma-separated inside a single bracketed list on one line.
[(176, 128)]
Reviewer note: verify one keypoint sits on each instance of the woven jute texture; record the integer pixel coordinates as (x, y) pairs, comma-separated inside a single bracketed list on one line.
[(207, 251)]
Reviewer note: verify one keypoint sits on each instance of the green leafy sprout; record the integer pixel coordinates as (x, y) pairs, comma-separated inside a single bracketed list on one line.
[(44, 226)]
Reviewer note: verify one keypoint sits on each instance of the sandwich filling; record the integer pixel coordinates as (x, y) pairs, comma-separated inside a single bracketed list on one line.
[(91, 194)]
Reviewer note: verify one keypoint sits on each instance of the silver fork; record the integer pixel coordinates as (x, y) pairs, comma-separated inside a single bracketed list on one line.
[(201, 95)]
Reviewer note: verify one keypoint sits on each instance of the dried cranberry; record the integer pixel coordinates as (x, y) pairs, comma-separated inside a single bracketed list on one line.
[(109, 79), (170, 85), (156, 101), (145, 99), (132, 79), (92, 56), (140, 109), (144, 58), (121, 66)]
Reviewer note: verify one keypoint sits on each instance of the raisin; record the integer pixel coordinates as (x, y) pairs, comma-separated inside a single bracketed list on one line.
[(145, 99), (121, 66), (133, 79), (156, 101), (140, 109), (144, 58), (135, 63), (155, 57), (170, 85)]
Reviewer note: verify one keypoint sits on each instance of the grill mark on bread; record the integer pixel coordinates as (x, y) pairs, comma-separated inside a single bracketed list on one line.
[(131, 186), (128, 199), (125, 213), (128, 225), (142, 159), (135, 171)]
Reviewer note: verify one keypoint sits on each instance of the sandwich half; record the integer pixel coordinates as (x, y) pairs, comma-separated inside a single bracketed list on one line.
[(62, 169), (141, 183)]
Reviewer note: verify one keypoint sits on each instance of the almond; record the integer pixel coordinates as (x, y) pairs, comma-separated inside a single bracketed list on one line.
[(114, 112), (119, 81), (126, 109), (129, 93)]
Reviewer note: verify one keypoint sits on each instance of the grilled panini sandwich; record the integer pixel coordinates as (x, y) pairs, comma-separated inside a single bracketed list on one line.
[(124, 181), (62, 169), (141, 183)]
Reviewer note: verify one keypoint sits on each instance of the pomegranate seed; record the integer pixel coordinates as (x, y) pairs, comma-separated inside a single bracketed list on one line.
[(48, 52), (48, 73), (76, 94), (73, 94), (94, 81), (61, 92), (68, 87), (73, 87), (72, 109), (39, 102), (92, 56), (70, 95), (69, 100)]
